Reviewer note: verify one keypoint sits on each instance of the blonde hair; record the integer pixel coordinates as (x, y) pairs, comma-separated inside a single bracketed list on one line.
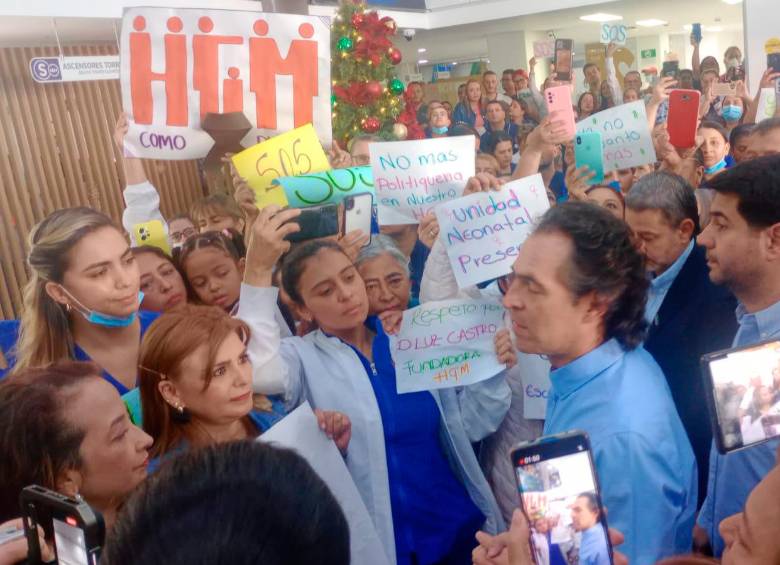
[(45, 336), (220, 203)]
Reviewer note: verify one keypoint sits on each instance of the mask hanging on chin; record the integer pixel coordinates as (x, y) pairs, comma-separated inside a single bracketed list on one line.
[(440, 130), (717, 167), (101, 319)]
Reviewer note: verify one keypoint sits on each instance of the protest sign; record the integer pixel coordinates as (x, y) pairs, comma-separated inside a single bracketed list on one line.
[(299, 431), (296, 152), (614, 33), (625, 135), (412, 177), (482, 232), (544, 48), (330, 187), (447, 343), (535, 375), (177, 65)]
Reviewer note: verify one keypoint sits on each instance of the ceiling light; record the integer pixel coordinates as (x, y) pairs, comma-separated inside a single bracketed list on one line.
[(422, 61), (651, 23), (454, 62), (599, 17), (422, 50), (732, 2), (687, 27)]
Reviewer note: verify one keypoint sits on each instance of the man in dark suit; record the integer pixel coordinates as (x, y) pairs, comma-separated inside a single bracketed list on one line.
[(688, 315)]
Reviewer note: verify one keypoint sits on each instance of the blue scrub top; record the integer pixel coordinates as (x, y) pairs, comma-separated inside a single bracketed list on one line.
[(432, 511)]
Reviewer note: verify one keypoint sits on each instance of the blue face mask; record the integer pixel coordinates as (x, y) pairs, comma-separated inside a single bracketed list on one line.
[(440, 130), (105, 320), (719, 166), (731, 113)]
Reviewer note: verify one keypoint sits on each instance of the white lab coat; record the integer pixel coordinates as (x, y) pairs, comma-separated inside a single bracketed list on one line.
[(328, 373)]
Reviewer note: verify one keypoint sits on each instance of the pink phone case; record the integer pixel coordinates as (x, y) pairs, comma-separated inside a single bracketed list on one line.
[(558, 100)]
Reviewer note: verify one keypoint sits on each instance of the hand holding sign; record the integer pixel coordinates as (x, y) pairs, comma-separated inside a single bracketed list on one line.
[(297, 152), (625, 135)]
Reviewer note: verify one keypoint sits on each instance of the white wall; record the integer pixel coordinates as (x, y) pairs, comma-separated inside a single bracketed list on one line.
[(762, 22)]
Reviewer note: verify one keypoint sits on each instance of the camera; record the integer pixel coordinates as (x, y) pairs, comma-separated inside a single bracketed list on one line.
[(409, 34)]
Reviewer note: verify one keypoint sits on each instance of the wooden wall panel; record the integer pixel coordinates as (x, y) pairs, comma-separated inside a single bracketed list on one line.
[(57, 151)]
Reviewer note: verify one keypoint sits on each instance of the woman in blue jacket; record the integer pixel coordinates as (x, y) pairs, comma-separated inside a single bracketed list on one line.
[(410, 455), (470, 110)]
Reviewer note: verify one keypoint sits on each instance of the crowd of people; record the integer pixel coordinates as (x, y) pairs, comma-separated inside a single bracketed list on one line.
[(134, 378)]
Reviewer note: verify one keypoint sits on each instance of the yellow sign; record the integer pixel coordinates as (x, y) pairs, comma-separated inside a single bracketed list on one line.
[(153, 234), (294, 153)]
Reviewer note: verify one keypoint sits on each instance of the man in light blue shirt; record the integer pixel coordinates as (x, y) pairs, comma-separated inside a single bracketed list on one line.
[(585, 517), (743, 253), (578, 297)]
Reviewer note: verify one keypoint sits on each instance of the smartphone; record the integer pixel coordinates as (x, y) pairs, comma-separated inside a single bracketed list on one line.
[(316, 222), (742, 386), (76, 530), (560, 496), (773, 62), (588, 151), (563, 59), (683, 117), (671, 69), (724, 89), (558, 100), (696, 32), (357, 213)]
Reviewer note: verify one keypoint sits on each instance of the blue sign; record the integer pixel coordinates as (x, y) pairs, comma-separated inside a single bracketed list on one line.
[(46, 69)]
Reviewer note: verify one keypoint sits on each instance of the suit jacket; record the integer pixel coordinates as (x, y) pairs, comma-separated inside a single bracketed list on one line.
[(696, 317)]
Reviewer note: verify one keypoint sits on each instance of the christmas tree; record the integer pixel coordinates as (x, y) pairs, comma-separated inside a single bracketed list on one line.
[(367, 96)]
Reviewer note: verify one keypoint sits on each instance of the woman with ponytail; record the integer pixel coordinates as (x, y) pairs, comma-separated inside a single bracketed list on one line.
[(82, 300)]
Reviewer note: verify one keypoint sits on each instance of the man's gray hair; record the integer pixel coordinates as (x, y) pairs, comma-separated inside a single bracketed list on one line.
[(668, 193), (383, 245)]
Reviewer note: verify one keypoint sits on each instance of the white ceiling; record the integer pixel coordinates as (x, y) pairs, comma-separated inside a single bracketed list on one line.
[(465, 42)]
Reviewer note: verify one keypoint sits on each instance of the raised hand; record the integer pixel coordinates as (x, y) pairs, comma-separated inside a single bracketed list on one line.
[(337, 426)]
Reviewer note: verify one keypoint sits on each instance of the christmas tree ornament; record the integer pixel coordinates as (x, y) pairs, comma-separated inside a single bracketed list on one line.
[(390, 24), (394, 55), (373, 89), (357, 20), (371, 124), (400, 131), (345, 44), (396, 86)]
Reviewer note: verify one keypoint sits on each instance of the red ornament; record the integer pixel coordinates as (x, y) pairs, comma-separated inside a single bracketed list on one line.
[(394, 55), (373, 89), (390, 24), (357, 20), (371, 125)]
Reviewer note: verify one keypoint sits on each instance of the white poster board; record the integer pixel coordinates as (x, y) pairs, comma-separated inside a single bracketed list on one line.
[(447, 343), (625, 135), (412, 177), (535, 373), (482, 232), (177, 65), (299, 431)]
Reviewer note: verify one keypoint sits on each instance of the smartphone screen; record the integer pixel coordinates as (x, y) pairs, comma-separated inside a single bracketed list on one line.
[(316, 222), (69, 543), (560, 497), (670, 69), (745, 391), (773, 62)]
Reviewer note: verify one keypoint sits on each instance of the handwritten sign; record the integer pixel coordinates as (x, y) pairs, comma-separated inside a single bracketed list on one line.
[(767, 104), (447, 343), (625, 135), (614, 33), (178, 65), (535, 374), (296, 152), (329, 187), (153, 234), (544, 49), (482, 232), (412, 177), (299, 431)]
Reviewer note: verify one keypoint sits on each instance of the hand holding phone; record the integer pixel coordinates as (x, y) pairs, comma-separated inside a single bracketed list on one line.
[(671, 69), (588, 151), (558, 101), (563, 59), (560, 496), (683, 118), (316, 222), (357, 214)]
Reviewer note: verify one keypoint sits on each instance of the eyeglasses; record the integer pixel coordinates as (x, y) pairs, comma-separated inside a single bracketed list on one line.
[(184, 235)]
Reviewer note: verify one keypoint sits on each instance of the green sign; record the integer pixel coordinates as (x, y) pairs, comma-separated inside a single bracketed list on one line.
[(647, 53)]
